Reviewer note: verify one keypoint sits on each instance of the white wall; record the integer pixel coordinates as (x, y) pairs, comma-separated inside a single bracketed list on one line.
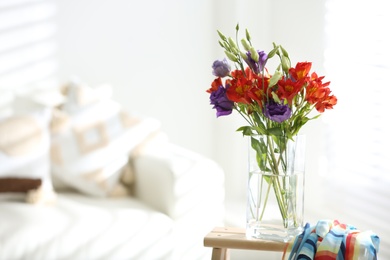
[(158, 55)]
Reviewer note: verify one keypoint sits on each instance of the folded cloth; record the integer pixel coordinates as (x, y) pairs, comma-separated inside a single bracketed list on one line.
[(332, 240)]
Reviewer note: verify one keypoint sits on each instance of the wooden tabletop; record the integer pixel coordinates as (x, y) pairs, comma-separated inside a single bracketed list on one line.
[(234, 238)]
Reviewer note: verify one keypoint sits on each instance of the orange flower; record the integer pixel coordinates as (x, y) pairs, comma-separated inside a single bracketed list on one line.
[(257, 95), (215, 85), (288, 89), (318, 94), (327, 103), (238, 89), (300, 71), (238, 74)]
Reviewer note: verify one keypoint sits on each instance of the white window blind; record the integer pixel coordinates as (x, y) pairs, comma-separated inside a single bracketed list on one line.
[(357, 55), (27, 44)]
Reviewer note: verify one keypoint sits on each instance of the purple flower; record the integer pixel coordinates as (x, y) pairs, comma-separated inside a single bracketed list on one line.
[(257, 66), (277, 112), (221, 103), (221, 68)]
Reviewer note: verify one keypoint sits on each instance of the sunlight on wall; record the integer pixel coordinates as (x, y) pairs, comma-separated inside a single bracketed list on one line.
[(357, 156), (27, 45)]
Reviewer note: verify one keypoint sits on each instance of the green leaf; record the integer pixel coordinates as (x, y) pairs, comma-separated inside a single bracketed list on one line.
[(304, 120), (246, 130), (317, 116), (261, 153), (275, 131), (260, 130)]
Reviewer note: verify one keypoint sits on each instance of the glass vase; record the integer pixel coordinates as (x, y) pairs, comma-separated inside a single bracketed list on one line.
[(275, 191)]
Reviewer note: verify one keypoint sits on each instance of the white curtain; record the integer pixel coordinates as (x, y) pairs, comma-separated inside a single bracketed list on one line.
[(356, 176)]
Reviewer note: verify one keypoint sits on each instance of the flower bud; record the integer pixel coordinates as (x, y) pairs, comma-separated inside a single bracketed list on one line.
[(272, 53), (275, 78), (223, 38), (232, 45), (285, 53), (247, 35), (254, 54), (231, 56), (244, 56), (275, 97), (221, 68), (226, 46), (285, 64), (245, 44)]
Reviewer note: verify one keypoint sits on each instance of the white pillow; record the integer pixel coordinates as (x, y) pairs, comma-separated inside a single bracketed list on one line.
[(24, 148), (91, 146)]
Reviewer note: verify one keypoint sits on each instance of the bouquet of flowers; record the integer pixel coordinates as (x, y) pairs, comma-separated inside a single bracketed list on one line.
[(275, 105)]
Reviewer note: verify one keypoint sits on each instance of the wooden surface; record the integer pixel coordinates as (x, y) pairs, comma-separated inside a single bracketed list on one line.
[(223, 238)]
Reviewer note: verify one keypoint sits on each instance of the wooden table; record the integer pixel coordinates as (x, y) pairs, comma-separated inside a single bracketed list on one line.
[(221, 239)]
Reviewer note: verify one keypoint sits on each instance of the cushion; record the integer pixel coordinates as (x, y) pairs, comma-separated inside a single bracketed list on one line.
[(92, 141), (24, 153), (80, 95)]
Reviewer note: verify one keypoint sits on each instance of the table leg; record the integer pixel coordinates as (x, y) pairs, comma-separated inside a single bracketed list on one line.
[(220, 254)]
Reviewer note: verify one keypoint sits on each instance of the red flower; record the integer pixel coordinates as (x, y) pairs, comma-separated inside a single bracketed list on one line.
[(239, 87), (238, 74), (288, 89), (257, 95), (300, 71), (215, 85), (318, 93), (326, 103), (259, 91)]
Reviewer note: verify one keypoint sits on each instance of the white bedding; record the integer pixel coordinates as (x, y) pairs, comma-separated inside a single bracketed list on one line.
[(79, 227)]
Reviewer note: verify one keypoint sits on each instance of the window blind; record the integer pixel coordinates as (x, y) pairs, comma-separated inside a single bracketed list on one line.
[(27, 44), (357, 57)]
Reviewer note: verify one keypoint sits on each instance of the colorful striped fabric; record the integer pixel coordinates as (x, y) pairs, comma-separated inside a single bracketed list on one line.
[(332, 240)]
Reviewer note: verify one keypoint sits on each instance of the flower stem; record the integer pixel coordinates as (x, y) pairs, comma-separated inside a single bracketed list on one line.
[(266, 198), (274, 164)]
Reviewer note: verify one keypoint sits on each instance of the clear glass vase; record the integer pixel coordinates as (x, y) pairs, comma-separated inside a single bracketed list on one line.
[(275, 192)]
